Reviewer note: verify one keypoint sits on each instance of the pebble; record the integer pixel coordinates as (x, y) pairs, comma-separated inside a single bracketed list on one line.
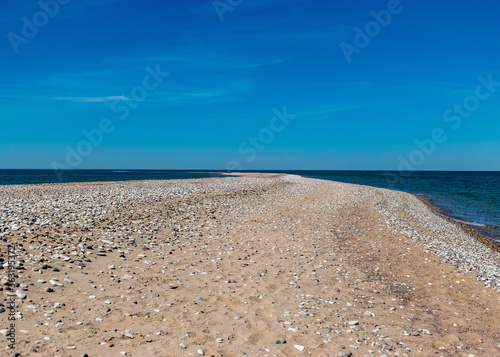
[(299, 347), (55, 282)]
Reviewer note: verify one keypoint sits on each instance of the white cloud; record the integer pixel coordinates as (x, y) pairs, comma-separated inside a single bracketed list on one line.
[(93, 99)]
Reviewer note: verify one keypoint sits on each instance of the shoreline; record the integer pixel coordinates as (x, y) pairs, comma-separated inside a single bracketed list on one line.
[(232, 266), (485, 240), (489, 242), (468, 228), (482, 238)]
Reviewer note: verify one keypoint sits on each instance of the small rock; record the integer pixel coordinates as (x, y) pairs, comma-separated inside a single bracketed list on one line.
[(280, 341), (299, 347), (55, 282)]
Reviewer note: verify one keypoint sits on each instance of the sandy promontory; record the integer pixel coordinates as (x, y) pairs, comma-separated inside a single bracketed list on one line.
[(257, 265)]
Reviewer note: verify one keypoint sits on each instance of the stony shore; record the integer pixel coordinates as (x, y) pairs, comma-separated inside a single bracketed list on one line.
[(258, 265)]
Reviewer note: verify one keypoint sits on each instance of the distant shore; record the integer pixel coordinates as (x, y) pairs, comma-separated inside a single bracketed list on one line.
[(261, 264)]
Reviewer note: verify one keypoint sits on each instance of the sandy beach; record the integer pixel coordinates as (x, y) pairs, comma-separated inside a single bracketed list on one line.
[(255, 265)]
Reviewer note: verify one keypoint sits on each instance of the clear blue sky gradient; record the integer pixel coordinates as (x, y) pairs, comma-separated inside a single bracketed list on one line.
[(230, 74)]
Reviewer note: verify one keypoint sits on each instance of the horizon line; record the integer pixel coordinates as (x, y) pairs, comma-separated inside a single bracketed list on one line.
[(253, 170)]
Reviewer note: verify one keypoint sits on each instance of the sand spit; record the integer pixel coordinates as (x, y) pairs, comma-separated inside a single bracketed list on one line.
[(255, 266)]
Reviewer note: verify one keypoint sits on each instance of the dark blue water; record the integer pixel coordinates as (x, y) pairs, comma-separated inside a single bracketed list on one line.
[(24, 177), (470, 197)]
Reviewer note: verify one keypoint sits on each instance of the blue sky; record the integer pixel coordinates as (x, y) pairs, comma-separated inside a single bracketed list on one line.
[(66, 66)]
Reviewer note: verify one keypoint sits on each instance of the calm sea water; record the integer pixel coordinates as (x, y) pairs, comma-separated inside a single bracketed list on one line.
[(469, 197), (24, 177)]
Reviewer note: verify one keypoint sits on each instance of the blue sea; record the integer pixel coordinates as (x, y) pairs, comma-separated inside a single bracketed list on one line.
[(25, 177), (469, 197)]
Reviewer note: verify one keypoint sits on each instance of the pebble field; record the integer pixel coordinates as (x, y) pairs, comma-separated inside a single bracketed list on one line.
[(254, 265)]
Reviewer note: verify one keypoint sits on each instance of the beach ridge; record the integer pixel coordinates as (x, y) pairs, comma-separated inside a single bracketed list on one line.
[(225, 266)]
